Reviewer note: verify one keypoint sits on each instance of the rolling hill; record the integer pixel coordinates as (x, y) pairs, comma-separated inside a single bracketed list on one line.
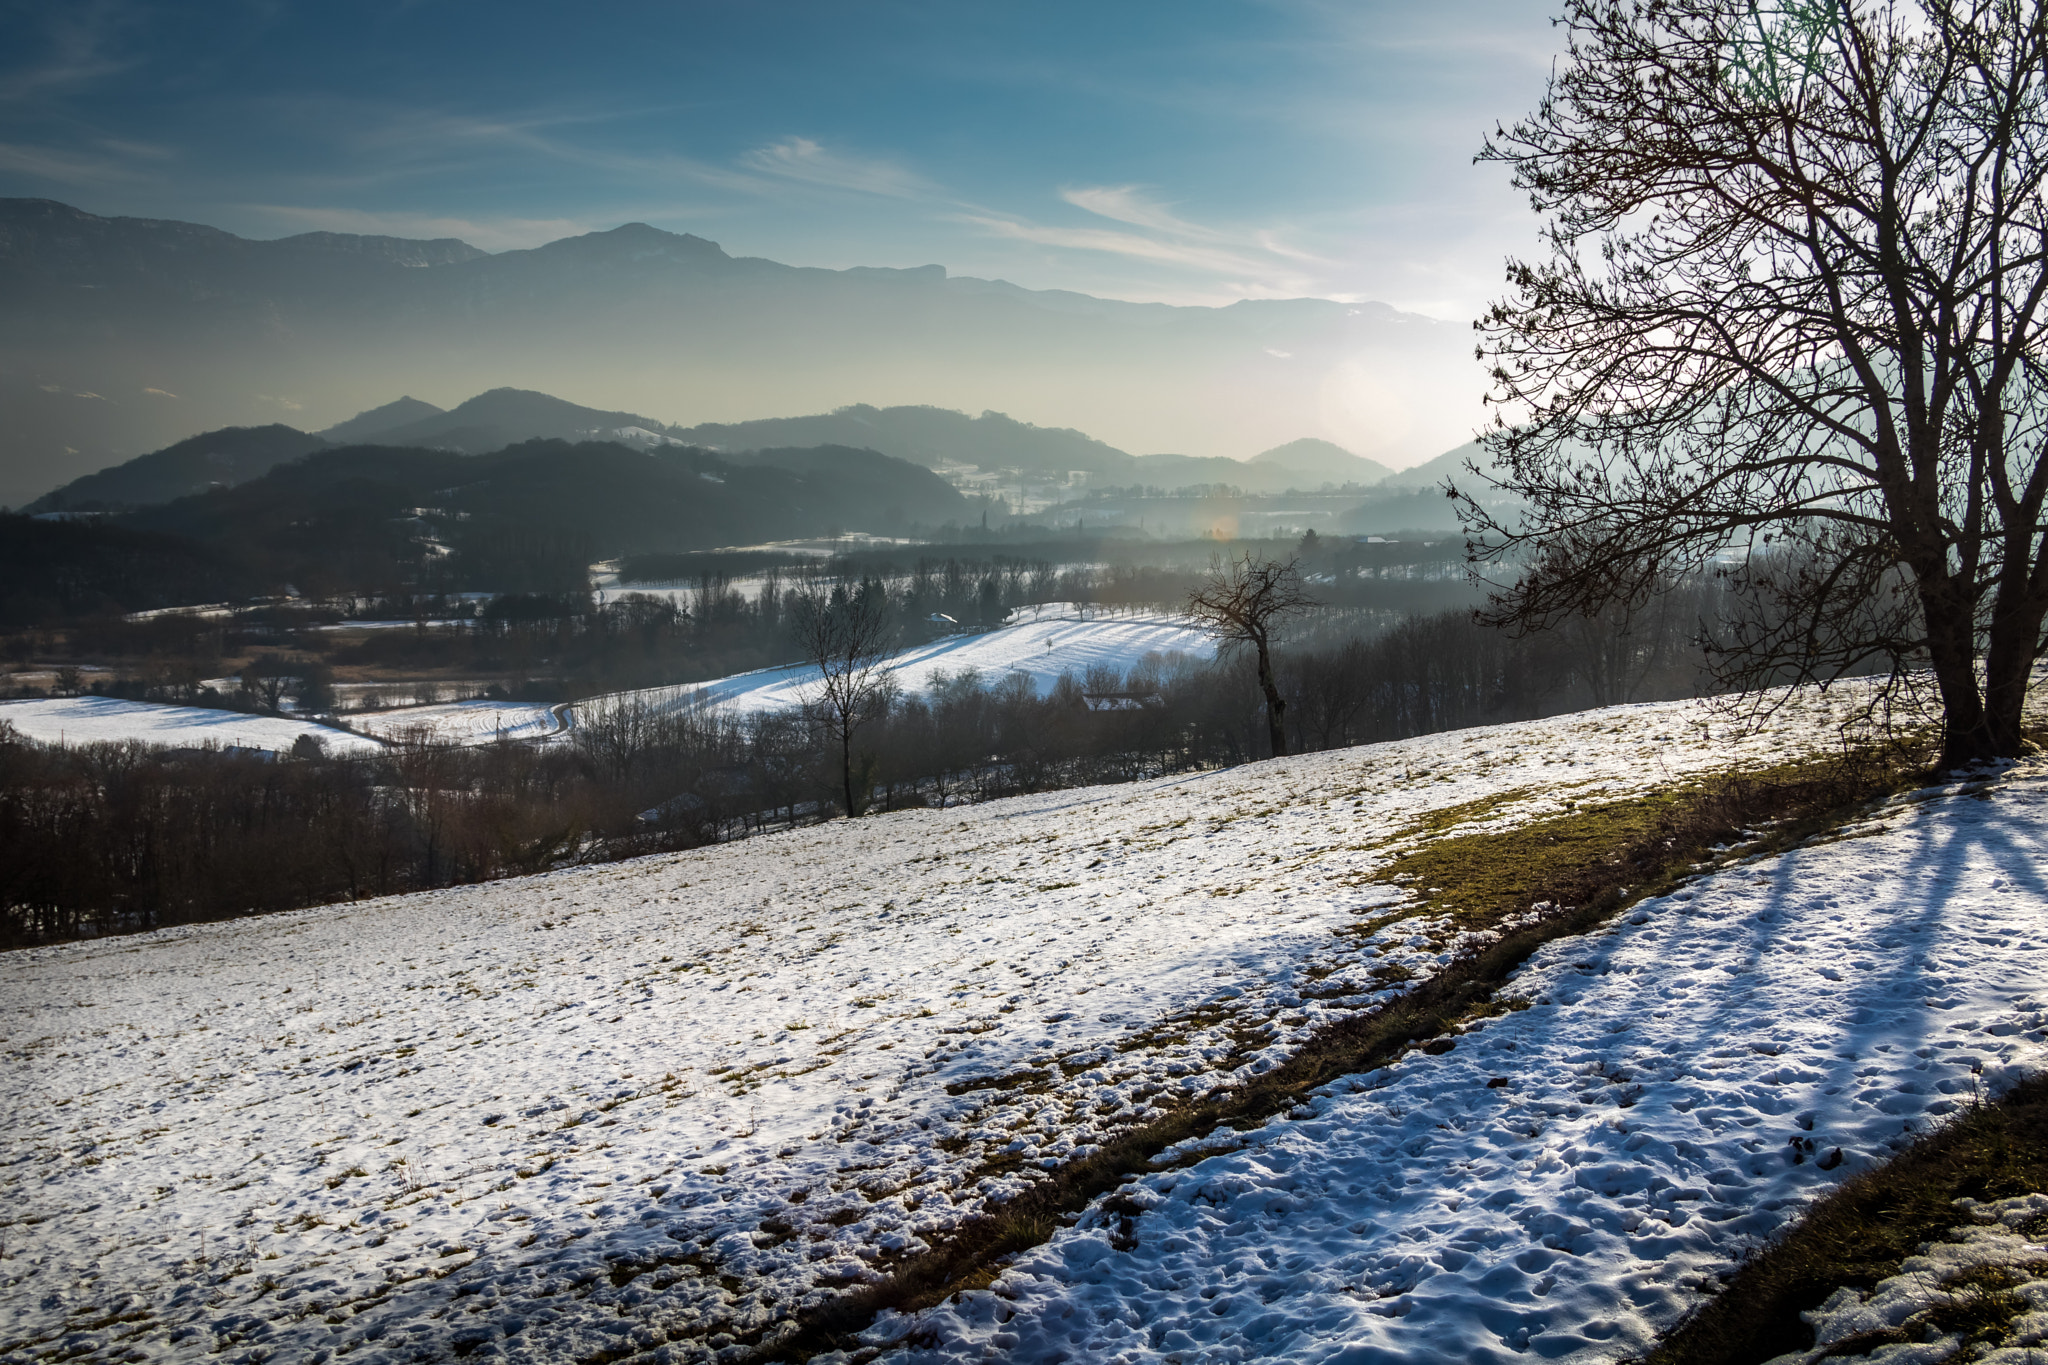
[(490, 421), (937, 436), (1323, 461), (373, 422), (496, 419), (213, 459), (529, 517), (54, 569), (929, 436)]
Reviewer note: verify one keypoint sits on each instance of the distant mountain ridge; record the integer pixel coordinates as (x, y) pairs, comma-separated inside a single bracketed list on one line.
[(213, 459), (1449, 466), (924, 435), (927, 434), (933, 436), (532, 516), (120, 335), (387, 417), (1312, 455), (501, 417)]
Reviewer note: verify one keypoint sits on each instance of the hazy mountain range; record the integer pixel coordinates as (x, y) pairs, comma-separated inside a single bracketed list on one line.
[(932, 437), (517, 491), (121, 335)]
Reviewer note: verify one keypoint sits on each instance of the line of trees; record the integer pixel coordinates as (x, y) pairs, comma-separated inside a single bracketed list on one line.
[(115, 838)]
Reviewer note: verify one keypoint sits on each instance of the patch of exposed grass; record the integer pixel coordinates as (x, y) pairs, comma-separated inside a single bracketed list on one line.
[(1034, 1080), (1479, 879), (1586, 866), (1860, 1234), (1445, 818)]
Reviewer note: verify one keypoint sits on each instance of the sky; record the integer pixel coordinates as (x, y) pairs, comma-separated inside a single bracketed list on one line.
[(1182, 151)]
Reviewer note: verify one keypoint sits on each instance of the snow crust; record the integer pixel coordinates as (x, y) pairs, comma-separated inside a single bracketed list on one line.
[(465, 722), (2004, 1237), (1040, 644), (93, 720), (1566, 1179), (662, 1101)]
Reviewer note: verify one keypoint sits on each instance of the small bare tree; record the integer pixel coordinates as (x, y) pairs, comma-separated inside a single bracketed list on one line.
[(1241, 602), (849, 635)]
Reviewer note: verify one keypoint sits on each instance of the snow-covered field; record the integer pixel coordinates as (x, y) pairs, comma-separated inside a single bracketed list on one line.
[(1563, 1180), (604, 1108), (92, 720), (464, 722), (1040, 643)]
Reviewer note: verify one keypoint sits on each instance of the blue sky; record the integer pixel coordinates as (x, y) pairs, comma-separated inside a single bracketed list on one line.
[(1190, 151)]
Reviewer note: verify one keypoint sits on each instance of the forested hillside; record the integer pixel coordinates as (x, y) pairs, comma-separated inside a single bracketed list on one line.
[(530, 518)]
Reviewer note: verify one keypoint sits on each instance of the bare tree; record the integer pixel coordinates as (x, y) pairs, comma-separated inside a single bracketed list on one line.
[(1615, 648), (1241, 602), (849, 635), (1792, 305)]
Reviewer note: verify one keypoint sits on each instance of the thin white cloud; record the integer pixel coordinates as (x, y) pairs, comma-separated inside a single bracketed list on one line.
[(78, 38), (66, 167), (1236, 263), (139, 151), (800, 158), (1119, 243), (388, 146), (1270, 241), (1129, 204)]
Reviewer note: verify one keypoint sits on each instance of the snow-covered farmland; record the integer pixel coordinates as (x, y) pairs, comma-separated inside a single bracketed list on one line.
[(1040, 644), (92, 720), (609, 1108), (465, 722)]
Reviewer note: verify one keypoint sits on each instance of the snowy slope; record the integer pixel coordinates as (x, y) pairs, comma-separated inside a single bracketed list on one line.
[(1673, 1095), (596, 1109), (463, 722), (1040, 643), (93, 720)]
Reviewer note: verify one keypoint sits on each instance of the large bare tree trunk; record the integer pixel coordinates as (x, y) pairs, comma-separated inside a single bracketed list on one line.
[(846, 767), (1276, 705)]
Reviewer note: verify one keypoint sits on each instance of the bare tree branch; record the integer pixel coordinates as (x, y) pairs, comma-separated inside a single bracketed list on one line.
[(849, 634), (1241, 603), (1790, 330)]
